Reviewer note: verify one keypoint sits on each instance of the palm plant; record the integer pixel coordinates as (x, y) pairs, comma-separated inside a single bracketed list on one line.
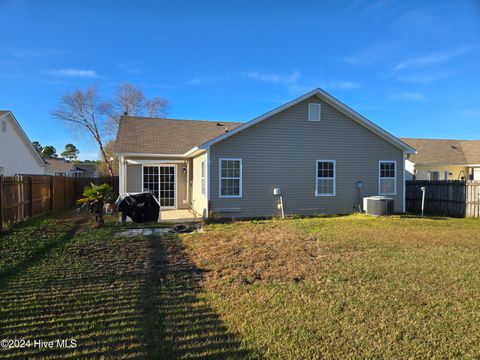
[(95, 196)]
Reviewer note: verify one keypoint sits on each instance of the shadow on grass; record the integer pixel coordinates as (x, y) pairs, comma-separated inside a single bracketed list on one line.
[(130, 298), (39, 254), (179, 323)]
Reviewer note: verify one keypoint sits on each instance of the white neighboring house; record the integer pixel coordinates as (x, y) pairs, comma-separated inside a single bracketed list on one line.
[(17, 155)]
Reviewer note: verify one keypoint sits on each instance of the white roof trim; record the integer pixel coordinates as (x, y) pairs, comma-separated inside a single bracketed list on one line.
[(151, 155), (25, 138), (332, 101), (192, 152)]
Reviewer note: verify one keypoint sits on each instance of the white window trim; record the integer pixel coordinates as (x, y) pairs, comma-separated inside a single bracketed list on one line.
[(203, 179), (220, 179), (319, 111), (394, 178), (334, 178)]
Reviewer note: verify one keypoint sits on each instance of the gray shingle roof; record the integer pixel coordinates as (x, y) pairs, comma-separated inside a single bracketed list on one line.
[(444, 152), (166, 136)]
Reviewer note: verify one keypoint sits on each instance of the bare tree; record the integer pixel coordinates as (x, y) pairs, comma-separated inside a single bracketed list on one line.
[(156, 107), (130, 100), (83, 110)]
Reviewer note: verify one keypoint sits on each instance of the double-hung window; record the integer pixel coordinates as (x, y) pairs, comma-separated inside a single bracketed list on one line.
[(325, 176), (387, 177), (230, 171), (202, 177)]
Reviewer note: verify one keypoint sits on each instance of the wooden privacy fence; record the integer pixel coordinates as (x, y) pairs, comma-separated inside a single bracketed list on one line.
[(27, 196), (445, 198)]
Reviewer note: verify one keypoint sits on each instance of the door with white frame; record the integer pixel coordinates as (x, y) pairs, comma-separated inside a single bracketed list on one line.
[(161, 180)]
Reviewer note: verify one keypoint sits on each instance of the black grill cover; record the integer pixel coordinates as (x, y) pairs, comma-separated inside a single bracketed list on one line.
[(140, 207)]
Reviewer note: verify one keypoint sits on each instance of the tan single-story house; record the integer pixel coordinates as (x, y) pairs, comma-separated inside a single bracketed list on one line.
[(321, 155), (442, 159)]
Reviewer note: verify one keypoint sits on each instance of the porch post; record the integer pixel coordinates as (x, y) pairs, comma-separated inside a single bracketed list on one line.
[(121, 173)]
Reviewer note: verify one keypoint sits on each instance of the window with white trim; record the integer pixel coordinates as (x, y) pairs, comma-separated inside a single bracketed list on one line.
[(314, 111), (230, 173), (4, 126), (202, 177), (325, 175), (387, 178)]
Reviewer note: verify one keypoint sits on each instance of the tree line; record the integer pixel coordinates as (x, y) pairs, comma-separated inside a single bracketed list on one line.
[(70, 152)]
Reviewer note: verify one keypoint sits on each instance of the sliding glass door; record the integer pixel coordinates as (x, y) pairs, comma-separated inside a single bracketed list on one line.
[(160, 180)]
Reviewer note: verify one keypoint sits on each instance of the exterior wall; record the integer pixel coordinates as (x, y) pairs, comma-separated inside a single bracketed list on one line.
[(135, 181), (134, 178), (199, 201), (16, 156), (281, 152), (455, 172)]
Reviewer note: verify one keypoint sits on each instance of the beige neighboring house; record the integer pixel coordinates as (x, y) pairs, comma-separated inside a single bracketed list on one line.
[(441, 159), (62, 167), (314, 149), (17, 155)]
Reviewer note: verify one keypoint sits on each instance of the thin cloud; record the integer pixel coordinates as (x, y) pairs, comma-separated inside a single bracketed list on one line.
[(199, 81), (426, 77), (83, 73), (133, 68), (274, 78), (344, 85), (371, 55), (410, 96), (470, 113), (431, 59)]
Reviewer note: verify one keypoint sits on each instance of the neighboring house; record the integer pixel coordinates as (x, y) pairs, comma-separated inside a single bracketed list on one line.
[(314, 148), (62, 167), (439, 159), (17, 155)]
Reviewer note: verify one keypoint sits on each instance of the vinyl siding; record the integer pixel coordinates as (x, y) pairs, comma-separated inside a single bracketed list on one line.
[(134, 178), (199, 201), (281, 152), (135, 182)]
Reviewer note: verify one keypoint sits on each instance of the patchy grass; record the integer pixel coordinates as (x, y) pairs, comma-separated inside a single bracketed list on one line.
[(351, 286), (338, 287)]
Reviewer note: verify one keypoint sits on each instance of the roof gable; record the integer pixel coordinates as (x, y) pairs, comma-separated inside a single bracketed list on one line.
[(331, 101), (22, 135)]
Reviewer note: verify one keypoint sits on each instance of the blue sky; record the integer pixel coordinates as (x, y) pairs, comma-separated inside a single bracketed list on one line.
[(412, 67)]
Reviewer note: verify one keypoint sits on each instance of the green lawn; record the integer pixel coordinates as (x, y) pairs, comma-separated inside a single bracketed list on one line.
[(332, 287)]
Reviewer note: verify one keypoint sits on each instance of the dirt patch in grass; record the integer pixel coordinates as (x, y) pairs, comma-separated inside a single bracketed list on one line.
[(245, 253)]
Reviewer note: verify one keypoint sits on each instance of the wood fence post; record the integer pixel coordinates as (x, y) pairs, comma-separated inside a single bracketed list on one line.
[(51, 193), (64, 193), (30, 196)]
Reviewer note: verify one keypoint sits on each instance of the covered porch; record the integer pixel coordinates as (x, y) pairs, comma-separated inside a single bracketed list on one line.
[(176, 183)]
